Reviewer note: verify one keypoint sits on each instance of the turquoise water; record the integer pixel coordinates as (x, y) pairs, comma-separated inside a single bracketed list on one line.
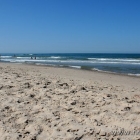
[(118, 63)]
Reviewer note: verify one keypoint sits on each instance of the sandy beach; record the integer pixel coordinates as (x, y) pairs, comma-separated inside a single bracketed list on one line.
[(50, 103)]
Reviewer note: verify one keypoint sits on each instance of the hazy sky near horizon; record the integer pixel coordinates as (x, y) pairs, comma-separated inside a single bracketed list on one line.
[(68, 26)]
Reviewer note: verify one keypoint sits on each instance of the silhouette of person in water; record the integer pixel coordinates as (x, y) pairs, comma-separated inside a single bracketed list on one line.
[(35, 57), (31, 57)]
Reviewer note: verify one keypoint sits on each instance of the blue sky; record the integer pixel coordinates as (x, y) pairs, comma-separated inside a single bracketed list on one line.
[(69, 26)]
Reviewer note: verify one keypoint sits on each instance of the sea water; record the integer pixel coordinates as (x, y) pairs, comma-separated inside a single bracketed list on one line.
[(116, 63)]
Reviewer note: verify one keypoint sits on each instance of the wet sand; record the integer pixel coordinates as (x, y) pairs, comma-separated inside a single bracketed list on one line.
[(49, 103)]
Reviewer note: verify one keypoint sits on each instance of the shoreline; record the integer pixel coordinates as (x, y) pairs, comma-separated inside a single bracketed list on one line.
[(70, 67), (87, 75)]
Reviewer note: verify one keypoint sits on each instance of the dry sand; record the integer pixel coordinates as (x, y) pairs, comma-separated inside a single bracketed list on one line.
[(48, 103)]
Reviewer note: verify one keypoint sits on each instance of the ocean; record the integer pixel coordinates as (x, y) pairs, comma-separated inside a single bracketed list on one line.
[(116, 63)]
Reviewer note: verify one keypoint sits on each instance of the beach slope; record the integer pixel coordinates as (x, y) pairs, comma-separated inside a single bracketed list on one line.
[(49, 103)]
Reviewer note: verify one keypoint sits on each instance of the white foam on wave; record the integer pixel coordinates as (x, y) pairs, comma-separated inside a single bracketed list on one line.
[(23, 57), (64, 61), (26, 60), (101, 62), (114, 59), (6, 56), (45, 64), (133, 74), (55, 57), (116, 63), (77, 67), (95, 69)]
